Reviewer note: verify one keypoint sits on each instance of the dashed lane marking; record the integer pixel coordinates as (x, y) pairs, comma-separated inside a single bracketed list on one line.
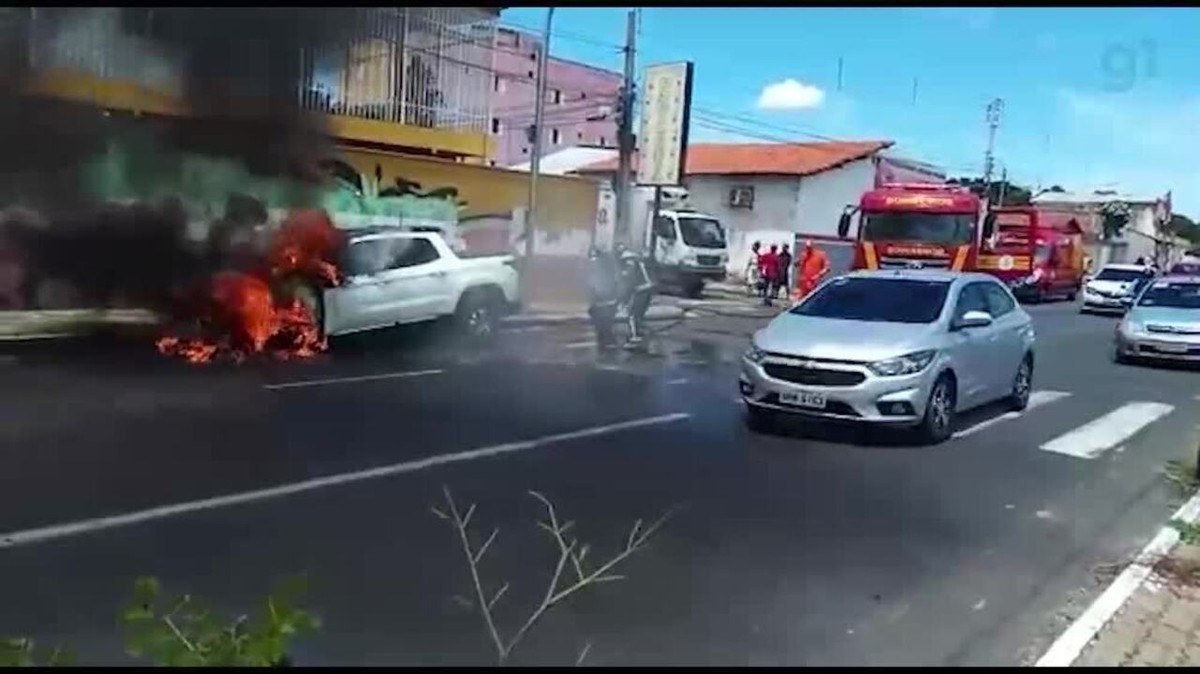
[(56, 531), (1093, 438), (1036, 399), (351, 380)]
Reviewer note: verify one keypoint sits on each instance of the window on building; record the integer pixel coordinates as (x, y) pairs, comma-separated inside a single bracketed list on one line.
[(530, 74), (524, 150), (495, 126), (555, 137), (557, 97), (579, 136), (583, 95), (497, 84), (603, 141), (533, 56)]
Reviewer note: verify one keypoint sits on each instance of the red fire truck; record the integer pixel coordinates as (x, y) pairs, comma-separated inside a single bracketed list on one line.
[(1038, 253), (915, 225)]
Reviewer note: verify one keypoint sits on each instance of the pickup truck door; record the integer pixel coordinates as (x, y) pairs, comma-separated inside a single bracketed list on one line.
[(417, 281), (361, 301)]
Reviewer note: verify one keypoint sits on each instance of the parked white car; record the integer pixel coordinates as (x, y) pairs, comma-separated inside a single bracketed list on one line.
[(901, 348), (1108, 290), (396, 277)]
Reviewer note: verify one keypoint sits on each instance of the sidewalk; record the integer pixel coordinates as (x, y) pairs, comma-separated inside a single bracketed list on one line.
[(1160, 624)]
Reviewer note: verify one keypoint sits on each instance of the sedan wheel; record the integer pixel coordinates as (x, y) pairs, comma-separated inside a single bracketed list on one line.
[(1022, 386), (938, 423)]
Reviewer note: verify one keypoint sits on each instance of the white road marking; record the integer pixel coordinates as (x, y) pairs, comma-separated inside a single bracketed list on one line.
[(100, 523), (678, 382), (351, 380), (1036, 399), (579, 345), (1068, 646), (1093, 438)]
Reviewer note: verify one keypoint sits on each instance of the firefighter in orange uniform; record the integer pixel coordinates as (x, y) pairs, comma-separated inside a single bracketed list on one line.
[(811, 266)]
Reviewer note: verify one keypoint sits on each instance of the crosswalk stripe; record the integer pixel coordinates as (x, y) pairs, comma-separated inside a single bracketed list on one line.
[(1093, 438), (1036, 399)]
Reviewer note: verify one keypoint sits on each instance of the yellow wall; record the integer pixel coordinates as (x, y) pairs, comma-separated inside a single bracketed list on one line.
[(563, 203), (133, 97)]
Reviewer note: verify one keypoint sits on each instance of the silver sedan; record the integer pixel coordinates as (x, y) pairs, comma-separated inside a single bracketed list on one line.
[(906, 348), (1163, 323)]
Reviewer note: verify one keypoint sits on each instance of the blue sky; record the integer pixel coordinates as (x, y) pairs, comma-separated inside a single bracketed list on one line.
[(1092, 97)]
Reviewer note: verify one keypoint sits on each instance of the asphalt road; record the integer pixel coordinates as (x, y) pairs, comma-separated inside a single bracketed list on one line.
[(812, 546)]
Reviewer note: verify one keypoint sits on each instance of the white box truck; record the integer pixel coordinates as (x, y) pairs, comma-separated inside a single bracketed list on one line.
[(687, 247)]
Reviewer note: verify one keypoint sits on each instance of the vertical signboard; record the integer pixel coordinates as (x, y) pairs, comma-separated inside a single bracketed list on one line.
[(666, 112)]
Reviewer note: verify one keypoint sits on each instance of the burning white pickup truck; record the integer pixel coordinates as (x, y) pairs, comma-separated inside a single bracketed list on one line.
[(393, 277)]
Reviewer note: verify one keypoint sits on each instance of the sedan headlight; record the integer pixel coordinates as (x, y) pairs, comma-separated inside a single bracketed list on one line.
[(908, 364), (754, 354), (1128, 327)]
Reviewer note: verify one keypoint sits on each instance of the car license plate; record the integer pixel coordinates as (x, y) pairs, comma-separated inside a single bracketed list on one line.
[(814, 401), (1167, 347)]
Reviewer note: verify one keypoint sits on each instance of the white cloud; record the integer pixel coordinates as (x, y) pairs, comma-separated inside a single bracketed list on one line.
[(790, 95)]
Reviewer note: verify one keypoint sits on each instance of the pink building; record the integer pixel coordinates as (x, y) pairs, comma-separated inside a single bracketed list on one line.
[(580, 100)]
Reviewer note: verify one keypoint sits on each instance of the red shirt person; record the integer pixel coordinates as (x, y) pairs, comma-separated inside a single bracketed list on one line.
[(768, 264)]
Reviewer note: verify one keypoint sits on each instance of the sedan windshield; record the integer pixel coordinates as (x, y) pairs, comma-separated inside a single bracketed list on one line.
[(702, 232), (881, 300), (940, 228), (1122, 275), (1172, 295)]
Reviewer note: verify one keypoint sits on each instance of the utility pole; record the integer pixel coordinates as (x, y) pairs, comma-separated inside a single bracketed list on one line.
[(535, 163), (1003, 185), (994, 109), (622, 183)]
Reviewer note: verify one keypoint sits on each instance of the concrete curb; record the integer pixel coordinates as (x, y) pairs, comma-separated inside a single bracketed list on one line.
[(1069, 645)]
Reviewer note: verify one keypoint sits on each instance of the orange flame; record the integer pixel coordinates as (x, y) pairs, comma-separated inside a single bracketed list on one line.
[(240, 310)]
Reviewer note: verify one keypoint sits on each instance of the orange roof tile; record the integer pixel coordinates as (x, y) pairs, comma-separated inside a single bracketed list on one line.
[(798, 159)]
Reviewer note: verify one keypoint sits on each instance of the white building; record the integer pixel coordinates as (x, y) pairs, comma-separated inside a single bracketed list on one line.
[(780, 193), (1142, 237)]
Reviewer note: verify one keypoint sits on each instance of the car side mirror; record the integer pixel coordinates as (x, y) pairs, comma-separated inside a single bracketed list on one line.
[(973, 319), (843, 225)]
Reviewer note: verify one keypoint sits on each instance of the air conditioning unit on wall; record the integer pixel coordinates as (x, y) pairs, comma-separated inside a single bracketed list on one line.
[(741, 196)]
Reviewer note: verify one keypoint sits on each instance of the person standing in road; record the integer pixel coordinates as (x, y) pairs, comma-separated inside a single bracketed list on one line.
[(752, 277), (785, 271), (603, 294), (768, 267), (637, 291), (811, 267)]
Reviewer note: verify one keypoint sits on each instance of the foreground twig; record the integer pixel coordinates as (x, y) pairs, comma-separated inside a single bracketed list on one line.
[(571, 555)]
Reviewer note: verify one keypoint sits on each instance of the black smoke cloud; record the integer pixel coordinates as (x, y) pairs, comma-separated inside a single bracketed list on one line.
[(242, 71)]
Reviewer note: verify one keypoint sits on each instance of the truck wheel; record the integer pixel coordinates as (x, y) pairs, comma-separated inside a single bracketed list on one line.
[(478, 316), (693, 289), (1072, 294)]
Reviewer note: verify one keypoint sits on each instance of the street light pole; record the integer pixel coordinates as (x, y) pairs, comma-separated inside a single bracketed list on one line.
[(535, 164)]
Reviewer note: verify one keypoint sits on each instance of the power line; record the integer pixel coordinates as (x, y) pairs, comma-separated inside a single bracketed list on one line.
[(567, 35)]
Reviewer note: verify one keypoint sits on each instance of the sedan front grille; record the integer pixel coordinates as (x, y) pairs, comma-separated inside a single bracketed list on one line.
[(813, 376), (1173, 329)]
